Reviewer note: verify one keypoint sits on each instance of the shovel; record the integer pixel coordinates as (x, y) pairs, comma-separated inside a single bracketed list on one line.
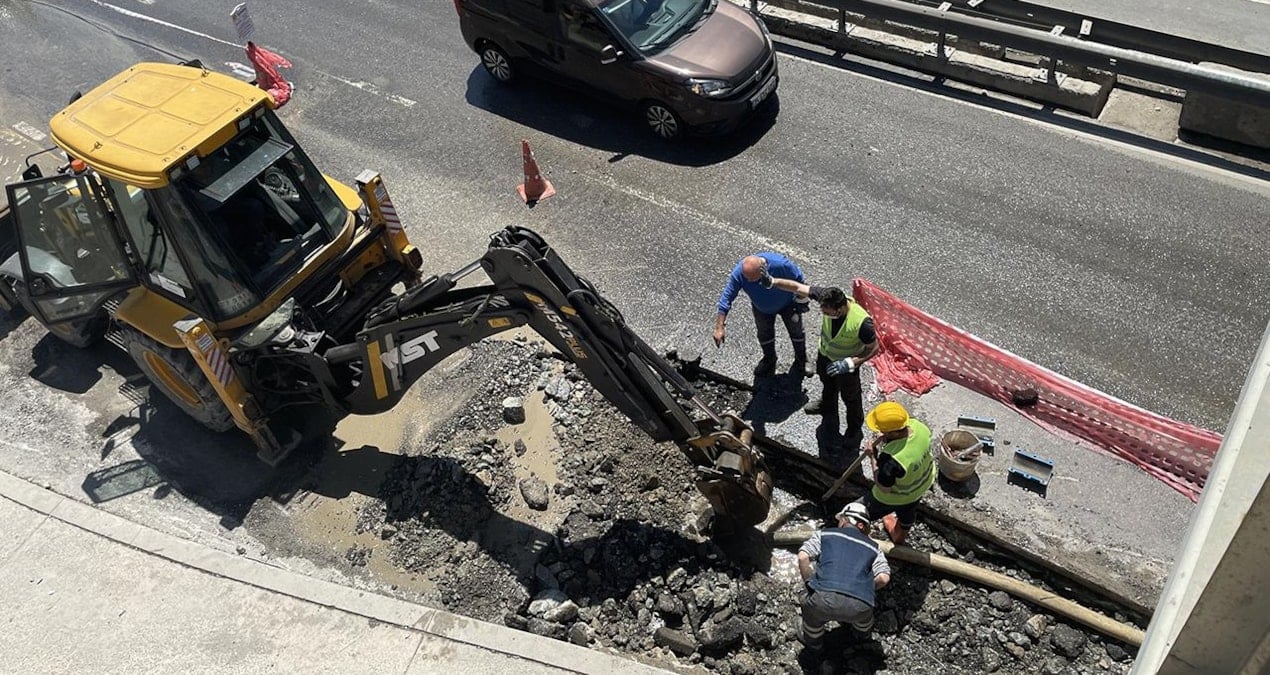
[(843, 478)]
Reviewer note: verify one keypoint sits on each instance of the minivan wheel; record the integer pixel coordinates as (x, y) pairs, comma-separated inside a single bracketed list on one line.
[(663, 121), (497, 63)]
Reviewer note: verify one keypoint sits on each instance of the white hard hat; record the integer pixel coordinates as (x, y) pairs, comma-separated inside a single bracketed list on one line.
[(855, 512)]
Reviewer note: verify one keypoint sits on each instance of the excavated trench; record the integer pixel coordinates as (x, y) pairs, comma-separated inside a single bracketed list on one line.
[(574, 525)]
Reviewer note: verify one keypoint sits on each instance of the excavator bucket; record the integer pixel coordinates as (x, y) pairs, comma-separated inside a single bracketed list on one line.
[(743, 501), (738, 484)]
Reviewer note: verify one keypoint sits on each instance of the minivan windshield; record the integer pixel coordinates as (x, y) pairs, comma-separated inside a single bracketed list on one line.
[(652, 25)]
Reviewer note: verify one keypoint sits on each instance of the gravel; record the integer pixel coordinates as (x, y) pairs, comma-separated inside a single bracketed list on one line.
[(628, 569)]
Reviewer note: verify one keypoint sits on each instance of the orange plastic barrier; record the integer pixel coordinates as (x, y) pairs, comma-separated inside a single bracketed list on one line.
[(918, 350)]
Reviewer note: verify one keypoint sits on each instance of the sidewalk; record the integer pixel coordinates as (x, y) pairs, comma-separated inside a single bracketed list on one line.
[(88, 591)]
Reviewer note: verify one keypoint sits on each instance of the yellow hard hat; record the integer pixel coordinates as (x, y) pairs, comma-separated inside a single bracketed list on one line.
[(887, 416)]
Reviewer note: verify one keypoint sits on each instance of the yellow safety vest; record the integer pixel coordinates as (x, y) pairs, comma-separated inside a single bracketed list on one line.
[(847, 341), (913, 454)]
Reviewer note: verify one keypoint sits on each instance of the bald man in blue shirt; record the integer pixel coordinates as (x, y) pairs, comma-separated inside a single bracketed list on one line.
[(753, 275)]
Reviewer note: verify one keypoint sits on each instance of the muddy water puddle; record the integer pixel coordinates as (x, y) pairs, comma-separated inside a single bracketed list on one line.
[(366, 448)]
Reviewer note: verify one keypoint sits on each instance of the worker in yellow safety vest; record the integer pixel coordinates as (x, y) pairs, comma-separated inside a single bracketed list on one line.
[(847, 340), (903, 468)]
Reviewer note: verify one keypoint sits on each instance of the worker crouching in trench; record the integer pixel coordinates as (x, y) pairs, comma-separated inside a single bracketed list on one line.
[(842, 568)]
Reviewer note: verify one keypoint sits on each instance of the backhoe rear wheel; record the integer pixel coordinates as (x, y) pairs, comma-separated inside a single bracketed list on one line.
[(174, 372)]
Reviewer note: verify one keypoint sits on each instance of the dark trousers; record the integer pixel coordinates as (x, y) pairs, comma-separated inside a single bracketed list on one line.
[(792, 316), (906, 513), (846, 385), (818, 608)]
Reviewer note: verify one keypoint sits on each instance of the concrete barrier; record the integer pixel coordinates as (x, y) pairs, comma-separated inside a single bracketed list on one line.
[(1224, 119), (989, 66)]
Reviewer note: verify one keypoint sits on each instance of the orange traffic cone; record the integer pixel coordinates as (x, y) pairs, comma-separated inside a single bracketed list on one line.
[(535, 187)]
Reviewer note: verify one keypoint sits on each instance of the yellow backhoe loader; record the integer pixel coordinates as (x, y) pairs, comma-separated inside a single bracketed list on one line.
[(187, 223)]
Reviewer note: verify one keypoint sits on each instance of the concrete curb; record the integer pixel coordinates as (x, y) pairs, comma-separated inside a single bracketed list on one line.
[(382, 608)]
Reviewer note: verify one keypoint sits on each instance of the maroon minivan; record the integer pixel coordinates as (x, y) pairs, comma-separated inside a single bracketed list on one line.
[(700, 66)]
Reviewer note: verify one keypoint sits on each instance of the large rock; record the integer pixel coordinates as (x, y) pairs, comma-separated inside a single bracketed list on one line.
[(534, 491), (1116, 652), (746, 602), (547, 600), (1000, 600), (546, 628), (513, 410), (1068, 641), (722, 636), (559, 389), (580, 634), (758, 634), (676, 641), (1035, 625), (562, 613), (669, 605)]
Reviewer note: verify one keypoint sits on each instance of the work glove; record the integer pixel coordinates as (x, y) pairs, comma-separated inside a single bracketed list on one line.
[(764, 277), (841, 367)]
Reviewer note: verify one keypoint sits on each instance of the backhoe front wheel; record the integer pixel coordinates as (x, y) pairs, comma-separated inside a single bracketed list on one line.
[(174, 372)]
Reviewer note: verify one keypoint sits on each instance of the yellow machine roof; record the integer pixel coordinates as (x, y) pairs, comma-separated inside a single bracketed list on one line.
[(138, 124)]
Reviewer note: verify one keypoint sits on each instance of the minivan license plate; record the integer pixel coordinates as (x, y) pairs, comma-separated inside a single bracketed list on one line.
[(768, 88)]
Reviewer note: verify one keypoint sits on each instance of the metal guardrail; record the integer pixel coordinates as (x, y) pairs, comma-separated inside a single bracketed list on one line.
[(1111, 33), (1056, 45)]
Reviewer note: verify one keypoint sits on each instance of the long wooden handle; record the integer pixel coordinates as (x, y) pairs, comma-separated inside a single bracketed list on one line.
[(843, 478)]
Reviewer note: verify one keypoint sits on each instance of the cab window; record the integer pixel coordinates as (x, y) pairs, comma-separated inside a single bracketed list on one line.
[(211, 271), (583, 28), (157, 255)]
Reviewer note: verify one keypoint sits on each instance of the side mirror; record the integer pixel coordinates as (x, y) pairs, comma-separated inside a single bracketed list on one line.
[(609, 54)]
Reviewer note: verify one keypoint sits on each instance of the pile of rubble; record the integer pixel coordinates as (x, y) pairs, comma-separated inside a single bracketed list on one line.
[(628, 568)]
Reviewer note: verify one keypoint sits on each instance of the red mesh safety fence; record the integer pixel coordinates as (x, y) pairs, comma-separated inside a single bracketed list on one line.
[(918, 350)]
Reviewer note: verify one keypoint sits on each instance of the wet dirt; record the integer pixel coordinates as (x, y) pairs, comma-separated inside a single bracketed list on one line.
[(574, 525)]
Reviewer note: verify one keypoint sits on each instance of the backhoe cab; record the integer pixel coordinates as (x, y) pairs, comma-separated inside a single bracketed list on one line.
[(244, 283)]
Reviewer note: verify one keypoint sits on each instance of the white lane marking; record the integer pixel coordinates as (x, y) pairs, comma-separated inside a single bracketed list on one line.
[(1263, 2), (1260, 185), (30, 132), (371, 88), (166, 24), (241, 71), (364, 86), (762, 242)]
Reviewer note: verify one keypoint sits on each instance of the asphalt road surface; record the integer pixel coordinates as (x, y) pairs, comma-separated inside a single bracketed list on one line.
[(1136, 270), (1239, 24)]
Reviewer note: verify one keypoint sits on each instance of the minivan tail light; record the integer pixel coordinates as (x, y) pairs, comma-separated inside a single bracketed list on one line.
[(457, 9)]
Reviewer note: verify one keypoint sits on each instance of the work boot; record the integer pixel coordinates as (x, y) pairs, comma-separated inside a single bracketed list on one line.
[(766, 367), (897, 532), (815, 406)]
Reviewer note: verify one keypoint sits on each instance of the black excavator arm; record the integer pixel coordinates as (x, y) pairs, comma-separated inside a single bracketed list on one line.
[(413, 332)]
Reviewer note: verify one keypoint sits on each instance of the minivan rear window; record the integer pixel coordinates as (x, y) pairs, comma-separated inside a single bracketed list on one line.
[(652, 25)]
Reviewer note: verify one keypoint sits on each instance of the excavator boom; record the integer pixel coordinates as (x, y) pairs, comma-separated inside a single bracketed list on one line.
[(531, 286)]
